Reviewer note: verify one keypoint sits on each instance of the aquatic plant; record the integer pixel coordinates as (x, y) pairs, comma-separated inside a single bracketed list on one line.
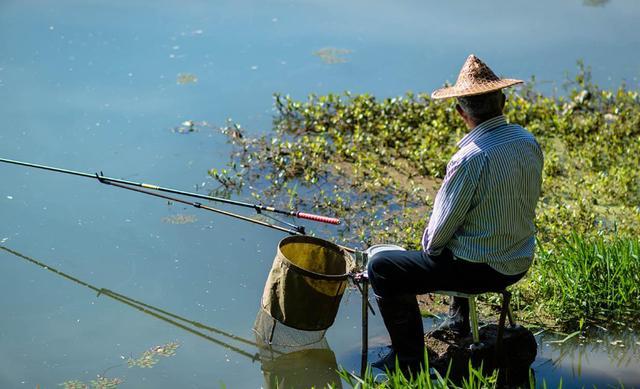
[(150, 357), (378, 163), (332, 55), (180, 219), (146, 360), (99, 383), (186, 78), (105, 383), (74, 384), (186, 127)]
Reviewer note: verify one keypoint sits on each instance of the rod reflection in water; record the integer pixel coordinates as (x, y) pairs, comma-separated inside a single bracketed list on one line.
[(158, 313), (286, 366)]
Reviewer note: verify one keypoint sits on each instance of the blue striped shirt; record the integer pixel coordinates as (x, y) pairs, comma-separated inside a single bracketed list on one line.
[(485, 208)]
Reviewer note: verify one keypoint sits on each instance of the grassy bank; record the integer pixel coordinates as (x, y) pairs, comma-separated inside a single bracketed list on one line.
[(476, 378), (589, 278), (377, 164)]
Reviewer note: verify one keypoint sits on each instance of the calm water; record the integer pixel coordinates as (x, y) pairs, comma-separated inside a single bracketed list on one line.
[(93, 86)]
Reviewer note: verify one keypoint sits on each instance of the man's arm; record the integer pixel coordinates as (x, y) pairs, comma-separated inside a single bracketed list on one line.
[(452, 202)]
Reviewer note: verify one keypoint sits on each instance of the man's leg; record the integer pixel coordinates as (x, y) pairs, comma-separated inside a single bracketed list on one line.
[(403, 321), (396, 278)]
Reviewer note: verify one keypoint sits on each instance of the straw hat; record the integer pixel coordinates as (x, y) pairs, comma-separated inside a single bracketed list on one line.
[(475, 78)]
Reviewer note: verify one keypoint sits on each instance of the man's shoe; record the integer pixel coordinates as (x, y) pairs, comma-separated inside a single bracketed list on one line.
[(390, 361), (457, 321), (458, 328)]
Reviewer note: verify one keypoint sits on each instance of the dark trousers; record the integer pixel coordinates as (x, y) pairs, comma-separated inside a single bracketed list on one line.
[(396, 273), (398, 276)]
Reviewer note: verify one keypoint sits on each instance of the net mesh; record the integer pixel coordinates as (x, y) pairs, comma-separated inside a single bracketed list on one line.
[(282, 338)]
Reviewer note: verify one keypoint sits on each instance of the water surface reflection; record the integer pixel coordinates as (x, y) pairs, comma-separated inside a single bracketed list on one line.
[(600, 358), (298, 364)]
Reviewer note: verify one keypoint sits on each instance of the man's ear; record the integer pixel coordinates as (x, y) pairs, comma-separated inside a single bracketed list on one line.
[(461, 111), (503, 100)]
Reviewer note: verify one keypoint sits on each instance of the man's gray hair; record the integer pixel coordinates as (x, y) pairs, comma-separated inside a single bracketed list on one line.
[(484, 106)]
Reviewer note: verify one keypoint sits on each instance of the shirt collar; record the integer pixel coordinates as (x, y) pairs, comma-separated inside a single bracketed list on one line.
[(482, 129)]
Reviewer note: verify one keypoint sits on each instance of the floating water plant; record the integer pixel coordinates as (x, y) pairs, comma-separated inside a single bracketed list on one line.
[(186, 78), (74, 384), (180, 219), (332, 55), (186, 127), (150, 357), (98, 383)]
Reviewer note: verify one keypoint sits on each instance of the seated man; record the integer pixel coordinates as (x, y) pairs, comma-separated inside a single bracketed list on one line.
[(480, 236)]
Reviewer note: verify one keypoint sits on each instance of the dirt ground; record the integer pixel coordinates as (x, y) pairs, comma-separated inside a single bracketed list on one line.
[(433, 304)]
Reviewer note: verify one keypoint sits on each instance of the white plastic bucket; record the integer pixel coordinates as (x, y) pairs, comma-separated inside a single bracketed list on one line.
[(378, 248)]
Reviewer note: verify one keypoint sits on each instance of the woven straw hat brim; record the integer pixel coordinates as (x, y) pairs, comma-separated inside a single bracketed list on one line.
[(475, 89)]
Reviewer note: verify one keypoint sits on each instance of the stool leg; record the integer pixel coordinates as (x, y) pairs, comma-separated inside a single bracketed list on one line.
[(506, 300), (365, 328), (473, 315), (512, 321)]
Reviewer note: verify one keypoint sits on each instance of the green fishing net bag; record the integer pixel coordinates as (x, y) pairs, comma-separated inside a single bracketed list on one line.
[(306, 283)]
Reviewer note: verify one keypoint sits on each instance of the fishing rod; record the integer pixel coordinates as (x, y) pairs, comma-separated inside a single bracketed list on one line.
[(257, 207), (296, 230)]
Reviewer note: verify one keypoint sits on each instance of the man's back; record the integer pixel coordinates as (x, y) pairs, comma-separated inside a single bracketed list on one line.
[(499, 226)]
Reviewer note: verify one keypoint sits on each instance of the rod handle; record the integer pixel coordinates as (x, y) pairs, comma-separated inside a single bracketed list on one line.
[(318, 218)]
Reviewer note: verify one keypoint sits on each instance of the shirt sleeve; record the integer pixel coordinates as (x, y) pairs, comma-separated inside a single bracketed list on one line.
[(452, 202)]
